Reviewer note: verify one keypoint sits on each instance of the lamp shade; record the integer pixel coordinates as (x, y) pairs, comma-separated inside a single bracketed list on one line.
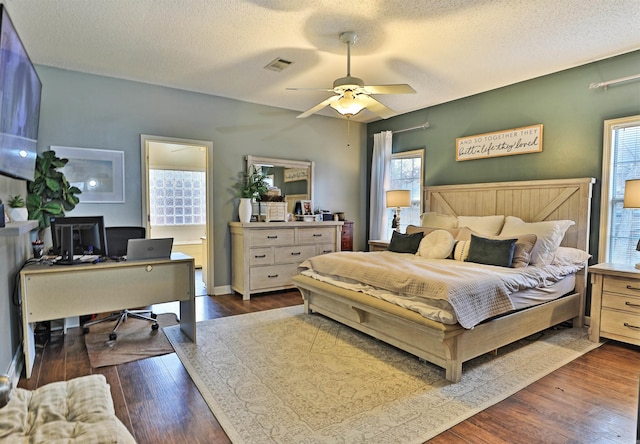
[(632, 193), (348, 105), (398, 198)]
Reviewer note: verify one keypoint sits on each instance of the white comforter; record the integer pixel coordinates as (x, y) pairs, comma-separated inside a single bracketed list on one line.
[(475, 292)]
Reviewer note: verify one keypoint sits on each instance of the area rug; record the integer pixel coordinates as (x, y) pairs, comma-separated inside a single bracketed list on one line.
[(280, 376), (135, 341)]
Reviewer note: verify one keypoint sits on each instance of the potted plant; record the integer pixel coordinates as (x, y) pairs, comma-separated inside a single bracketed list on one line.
[(50, 194), (251, 185), (18, 211)]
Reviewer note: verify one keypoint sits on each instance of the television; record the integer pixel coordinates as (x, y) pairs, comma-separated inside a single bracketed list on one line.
[(20, 92), (74, 236)]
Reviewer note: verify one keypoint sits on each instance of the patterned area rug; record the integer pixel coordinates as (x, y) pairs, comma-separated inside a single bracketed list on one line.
[(280, 376), (135, 341)]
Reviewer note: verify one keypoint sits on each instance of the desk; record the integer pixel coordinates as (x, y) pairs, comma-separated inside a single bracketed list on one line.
[(60, 291)]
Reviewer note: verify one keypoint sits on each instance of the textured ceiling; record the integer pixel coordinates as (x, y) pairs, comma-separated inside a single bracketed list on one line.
[(445, 49)]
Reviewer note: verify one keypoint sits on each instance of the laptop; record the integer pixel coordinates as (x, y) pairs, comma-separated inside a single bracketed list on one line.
[(141, 249)]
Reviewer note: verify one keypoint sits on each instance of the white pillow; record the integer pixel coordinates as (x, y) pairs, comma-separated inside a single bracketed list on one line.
[(436, 245), (570, 256), (436, 220), (486, 225), (549, 233), (461, 250)]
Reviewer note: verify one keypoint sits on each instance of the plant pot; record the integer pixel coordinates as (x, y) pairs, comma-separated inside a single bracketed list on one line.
[(244, 210), (18, 214)]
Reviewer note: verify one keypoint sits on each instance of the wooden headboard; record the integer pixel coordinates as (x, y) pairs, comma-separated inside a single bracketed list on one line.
[(531, 201)]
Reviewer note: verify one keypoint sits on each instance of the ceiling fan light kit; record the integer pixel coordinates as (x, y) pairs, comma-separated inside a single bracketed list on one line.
[(352, 95)]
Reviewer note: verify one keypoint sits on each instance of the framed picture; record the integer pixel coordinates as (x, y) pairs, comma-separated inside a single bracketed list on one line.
[(307, 208), (98, 173)]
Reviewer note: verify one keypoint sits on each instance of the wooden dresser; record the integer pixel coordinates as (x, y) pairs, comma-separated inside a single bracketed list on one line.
[(615, 303), (265, 255)]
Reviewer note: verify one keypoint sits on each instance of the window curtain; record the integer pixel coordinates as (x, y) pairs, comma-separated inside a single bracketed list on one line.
[(380, 179)]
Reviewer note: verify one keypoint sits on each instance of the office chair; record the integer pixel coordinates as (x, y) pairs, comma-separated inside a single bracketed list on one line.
[(116, 239)]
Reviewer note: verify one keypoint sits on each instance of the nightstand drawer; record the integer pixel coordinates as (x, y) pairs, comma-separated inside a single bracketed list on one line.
[(621, 285), (620, 323), (623, 303)]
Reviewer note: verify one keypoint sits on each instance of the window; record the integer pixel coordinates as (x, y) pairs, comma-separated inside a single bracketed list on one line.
[(177, 197), (619, 227), (406, 174)]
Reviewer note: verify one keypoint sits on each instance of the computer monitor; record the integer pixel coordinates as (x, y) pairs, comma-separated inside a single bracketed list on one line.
[(78, 236)]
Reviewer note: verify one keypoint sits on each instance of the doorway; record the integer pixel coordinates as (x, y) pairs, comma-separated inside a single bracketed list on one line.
[(177, 202)]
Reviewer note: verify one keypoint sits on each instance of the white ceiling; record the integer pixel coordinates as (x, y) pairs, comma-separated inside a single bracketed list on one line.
[(445, 49)]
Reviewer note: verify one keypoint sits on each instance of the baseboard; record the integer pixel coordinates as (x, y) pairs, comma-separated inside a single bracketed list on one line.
[(223, 289), (15, 369)]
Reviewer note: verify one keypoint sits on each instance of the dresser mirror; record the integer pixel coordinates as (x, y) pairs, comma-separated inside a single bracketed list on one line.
[(294, 178)]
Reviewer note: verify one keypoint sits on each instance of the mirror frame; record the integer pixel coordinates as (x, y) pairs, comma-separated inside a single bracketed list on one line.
[(286, 163)]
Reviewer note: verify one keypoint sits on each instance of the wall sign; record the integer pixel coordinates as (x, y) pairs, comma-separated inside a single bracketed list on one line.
[(295, 174), (509, 142)]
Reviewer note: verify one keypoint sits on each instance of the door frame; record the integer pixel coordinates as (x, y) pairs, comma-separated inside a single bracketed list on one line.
[(145, 139)]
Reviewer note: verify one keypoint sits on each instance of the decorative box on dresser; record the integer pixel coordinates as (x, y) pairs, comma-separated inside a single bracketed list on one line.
[(346, 243), (265, 255), (615, 302)]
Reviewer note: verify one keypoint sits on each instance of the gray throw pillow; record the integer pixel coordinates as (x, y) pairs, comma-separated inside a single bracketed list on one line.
[(405, 243), (491, 251)]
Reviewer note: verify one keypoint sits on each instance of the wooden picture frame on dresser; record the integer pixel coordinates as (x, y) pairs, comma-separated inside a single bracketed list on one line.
[(615, 303)]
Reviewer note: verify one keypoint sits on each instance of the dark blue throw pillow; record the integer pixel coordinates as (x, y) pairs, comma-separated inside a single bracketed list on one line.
[(405, 243), (491, 251)]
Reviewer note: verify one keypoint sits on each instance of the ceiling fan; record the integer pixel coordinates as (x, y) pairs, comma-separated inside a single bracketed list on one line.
[(352, 95)]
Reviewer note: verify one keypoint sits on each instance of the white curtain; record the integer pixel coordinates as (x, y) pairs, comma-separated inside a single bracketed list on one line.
[(380, 180)]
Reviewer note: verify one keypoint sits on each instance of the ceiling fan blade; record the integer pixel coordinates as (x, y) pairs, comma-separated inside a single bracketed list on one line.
[(310, 89), (401, 88), (376, 107), (318, 107)]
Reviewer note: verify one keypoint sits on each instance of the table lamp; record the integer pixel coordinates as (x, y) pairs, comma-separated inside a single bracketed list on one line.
[(398, 199), (632, 199)]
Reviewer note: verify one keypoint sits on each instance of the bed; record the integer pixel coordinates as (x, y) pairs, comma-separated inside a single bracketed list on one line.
[(450, 345)]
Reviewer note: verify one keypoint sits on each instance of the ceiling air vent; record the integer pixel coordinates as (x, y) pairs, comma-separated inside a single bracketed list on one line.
[(278, 64)]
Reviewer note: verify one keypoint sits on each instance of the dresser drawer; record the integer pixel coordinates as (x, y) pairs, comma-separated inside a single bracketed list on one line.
[(271, 276), (621, 285), (266, 238), (620, 323), (325, 248), (316, 235), (294, 254), (618, 302), (261, 256)]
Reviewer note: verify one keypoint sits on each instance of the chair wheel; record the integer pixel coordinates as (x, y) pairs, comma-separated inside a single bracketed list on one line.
[(113, 336), (155, 326), (154, 316), (85, 330)]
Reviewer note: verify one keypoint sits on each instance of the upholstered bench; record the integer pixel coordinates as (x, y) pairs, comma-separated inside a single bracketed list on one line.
[(76, 411)]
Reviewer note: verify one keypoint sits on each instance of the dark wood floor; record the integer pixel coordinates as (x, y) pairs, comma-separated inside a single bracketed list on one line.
[(593, 399)]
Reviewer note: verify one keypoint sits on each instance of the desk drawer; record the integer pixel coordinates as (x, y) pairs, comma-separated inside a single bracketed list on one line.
[(272, 276), (266, 238), (316, 235), (623, 303), (621, 285), (261, 256), (620, 323), (294, 254)]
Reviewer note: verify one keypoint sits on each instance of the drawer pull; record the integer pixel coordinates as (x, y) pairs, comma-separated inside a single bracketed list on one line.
[(631, 287), (317, 235), (295, 253), (327, 251), (272, 237), (260, 256), (629, 304), (270, 276), (626, 324)]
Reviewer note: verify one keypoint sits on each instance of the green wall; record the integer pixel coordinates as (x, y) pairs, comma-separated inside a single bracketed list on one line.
[(572, 115)]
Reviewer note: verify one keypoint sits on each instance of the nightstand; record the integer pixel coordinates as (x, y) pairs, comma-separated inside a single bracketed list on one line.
[(615, 303), (378, 245), (347, 236)]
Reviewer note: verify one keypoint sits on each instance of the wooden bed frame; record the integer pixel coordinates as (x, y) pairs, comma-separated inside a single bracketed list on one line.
[(448, 346)]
